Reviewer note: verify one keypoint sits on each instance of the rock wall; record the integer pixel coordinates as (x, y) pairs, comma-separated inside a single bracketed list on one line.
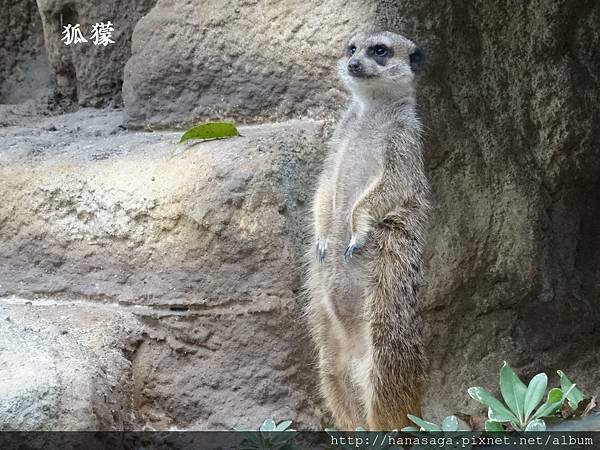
[(87, 74), (23, 64), (209, 225), (250, 61), (62, 370), (198, 247), (511, 104)]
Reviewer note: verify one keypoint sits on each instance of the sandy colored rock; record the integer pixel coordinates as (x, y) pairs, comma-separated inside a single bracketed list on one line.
[(93, 211), (62, 367), (252, 61), (87, 74), (207, 238), (24, 72)]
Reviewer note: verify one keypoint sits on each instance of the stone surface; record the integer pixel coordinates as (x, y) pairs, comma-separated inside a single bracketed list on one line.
[(139, 219), (62, 367), (208, 237), (24, 72), (511, 104), (252, 61), (84, 365), (224, 367), (87, 74)]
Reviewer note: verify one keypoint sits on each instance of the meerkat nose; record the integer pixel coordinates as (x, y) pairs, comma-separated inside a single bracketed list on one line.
[(354, 66)]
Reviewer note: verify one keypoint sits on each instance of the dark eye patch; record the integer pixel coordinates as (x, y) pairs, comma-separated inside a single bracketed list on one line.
[(380, 53), (351, 49)]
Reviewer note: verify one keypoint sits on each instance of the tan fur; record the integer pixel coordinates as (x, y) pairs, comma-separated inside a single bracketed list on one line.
[(372, 194)]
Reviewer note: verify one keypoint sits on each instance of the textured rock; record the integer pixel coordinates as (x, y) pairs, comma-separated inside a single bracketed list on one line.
[(61, 369), (223, 367), (24, 70), (124, 218), (88, 74), (81, 365), (511, 104), (209, 236), (252, 61)]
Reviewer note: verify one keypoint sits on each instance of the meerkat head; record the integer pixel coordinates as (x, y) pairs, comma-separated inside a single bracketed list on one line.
[(380, 65)]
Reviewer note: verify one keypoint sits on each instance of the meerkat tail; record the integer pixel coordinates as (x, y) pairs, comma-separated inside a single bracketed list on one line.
[(397, 372)]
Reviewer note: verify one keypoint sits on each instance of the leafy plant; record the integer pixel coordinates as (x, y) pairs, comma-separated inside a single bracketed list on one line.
[(270, 436), (209, 131), (520, 407), (575, 395)]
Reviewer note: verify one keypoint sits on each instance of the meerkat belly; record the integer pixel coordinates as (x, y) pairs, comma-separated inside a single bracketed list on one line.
[(348, 279)]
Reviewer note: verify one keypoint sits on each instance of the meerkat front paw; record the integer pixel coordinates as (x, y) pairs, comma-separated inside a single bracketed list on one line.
[(354, 245), (322, 245)]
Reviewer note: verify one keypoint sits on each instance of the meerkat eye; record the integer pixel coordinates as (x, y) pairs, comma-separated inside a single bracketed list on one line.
[(381, 50), (352, 49)]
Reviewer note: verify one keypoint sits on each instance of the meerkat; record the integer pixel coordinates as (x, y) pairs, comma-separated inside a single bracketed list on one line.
[(370, 210)]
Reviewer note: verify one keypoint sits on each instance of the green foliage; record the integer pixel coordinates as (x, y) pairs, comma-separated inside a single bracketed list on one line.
[(521, 401), (270, 436), (575, 396), (490, 425), (424, 425), (521, 407), (209, 131)]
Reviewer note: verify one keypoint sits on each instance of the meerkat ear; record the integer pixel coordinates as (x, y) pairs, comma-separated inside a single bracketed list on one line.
[(417, 61)]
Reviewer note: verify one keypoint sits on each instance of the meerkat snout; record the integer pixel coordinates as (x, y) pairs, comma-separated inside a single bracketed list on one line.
[(355, 67)]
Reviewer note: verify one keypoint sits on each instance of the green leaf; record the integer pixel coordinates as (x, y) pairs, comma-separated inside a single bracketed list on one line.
[(535, 393), (536, 425), (513, 391), (250, 436), (553, 403), (280, 438), (210, 130), (426, 426), (410, 429), (575, 395), (450, 423), (497, 411), (464, 427), (283, 425), (491, 425), (268, 425)]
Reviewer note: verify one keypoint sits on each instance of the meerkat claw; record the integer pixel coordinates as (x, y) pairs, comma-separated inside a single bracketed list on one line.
[(321, 251), (349, 252)]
